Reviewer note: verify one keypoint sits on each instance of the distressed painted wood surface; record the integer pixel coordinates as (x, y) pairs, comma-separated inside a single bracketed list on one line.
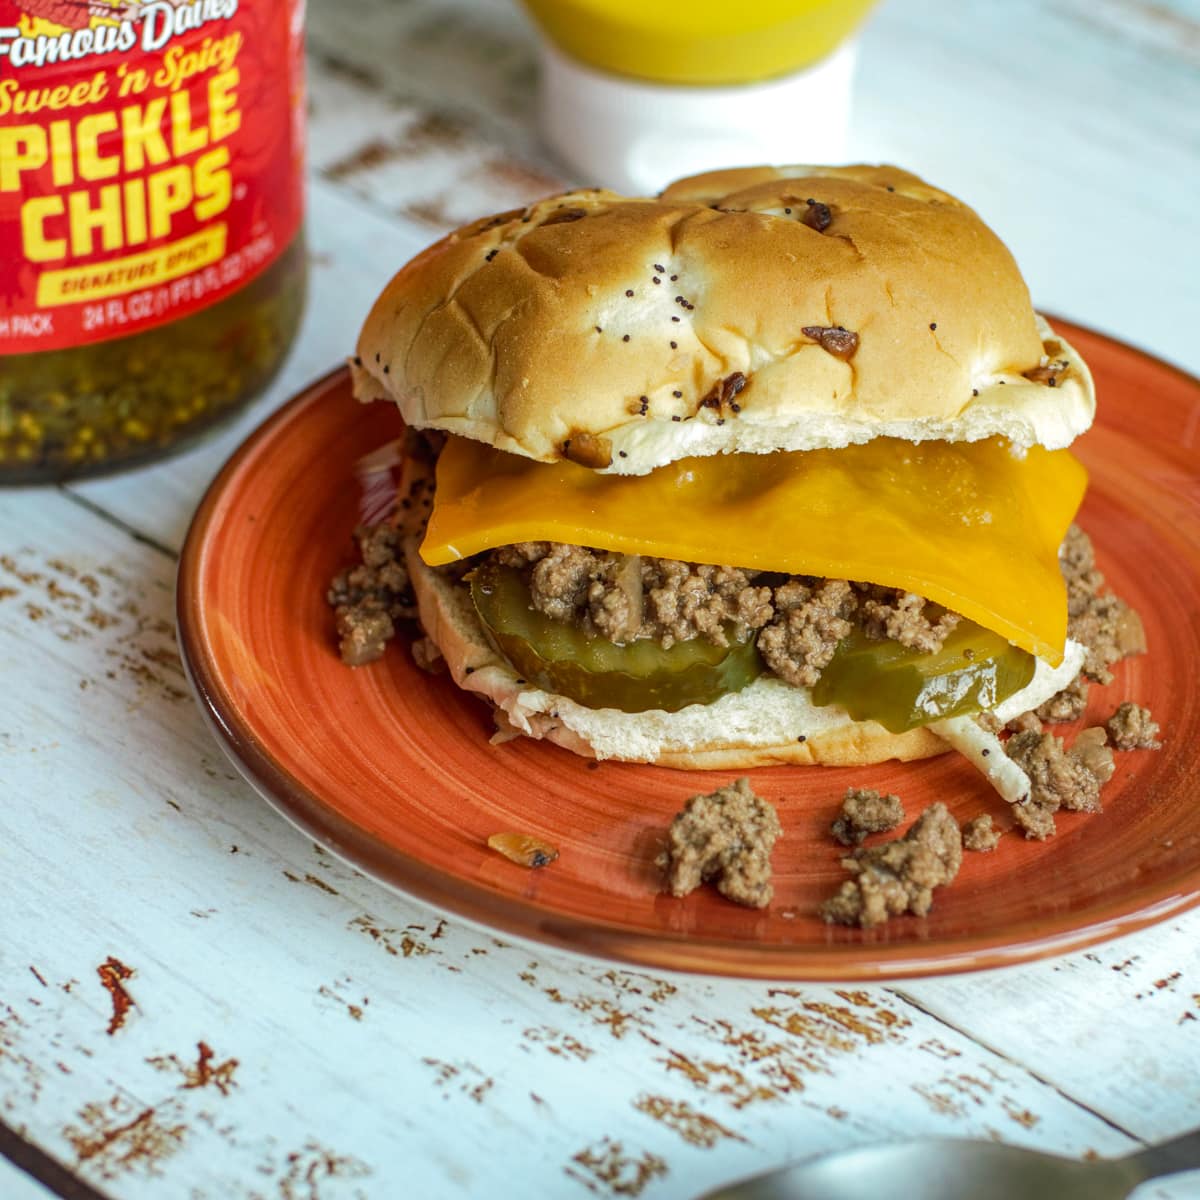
[(195, 1001)]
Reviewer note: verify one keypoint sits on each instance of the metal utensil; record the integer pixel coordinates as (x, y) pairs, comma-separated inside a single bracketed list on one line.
[(958, 1170)]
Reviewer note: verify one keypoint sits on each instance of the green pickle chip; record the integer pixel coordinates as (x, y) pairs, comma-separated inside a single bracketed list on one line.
[(634, 677), (872, 679), (900, 688)]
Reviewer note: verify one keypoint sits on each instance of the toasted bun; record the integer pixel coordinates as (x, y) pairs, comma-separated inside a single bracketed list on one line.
[(596, 327), (767, 724)]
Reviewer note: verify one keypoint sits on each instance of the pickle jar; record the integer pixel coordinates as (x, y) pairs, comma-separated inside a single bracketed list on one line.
[(152, 263)]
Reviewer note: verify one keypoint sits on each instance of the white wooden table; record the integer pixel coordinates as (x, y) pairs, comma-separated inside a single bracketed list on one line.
[(296, 1032)]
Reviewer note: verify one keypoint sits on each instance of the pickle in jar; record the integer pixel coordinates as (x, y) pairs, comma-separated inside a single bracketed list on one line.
[(151, 212)]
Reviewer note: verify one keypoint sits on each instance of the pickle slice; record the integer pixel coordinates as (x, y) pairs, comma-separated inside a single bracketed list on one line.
[(635, 677), (901, 688)]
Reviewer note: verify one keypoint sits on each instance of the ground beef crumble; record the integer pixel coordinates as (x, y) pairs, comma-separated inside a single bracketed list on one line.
[(1059, 777), (623, 597), (904, 617), (1024, 722), (370, 598), (1109, 630), (979, 834), (899, 876), (1104, 624), (1067, 705), (863, 813), (810, 620), (1132, 727), (1077, 561), (725, 838), (684, 600)]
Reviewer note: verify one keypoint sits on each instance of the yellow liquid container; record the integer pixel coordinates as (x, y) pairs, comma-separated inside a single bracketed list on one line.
[(704, 42), (637, 92)]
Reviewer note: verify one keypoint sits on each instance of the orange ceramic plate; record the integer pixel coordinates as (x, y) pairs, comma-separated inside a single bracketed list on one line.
[(391, 768)]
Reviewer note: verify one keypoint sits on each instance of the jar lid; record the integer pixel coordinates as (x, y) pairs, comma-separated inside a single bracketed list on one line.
[(636, 137)]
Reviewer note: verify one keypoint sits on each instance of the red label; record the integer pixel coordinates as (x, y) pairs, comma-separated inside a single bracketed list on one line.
[(151, 160)]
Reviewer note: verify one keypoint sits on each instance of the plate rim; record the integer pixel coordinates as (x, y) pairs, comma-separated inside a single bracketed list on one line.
[(859, 961)]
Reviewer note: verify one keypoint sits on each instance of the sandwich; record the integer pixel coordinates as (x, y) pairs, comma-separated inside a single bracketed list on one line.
[(770, 468)]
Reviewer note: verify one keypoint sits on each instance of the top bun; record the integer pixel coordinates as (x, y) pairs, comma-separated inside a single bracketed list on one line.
[(752, 310)]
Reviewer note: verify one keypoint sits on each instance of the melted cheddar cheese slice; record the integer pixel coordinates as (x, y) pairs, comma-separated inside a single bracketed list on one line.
[(966, 524)]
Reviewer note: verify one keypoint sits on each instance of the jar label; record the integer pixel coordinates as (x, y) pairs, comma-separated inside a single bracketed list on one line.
[(151, 160)]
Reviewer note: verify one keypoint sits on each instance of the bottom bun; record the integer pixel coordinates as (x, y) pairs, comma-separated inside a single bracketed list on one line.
[(766, 724)]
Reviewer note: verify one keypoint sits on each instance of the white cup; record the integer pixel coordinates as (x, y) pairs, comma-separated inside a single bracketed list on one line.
[(636, 137)]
